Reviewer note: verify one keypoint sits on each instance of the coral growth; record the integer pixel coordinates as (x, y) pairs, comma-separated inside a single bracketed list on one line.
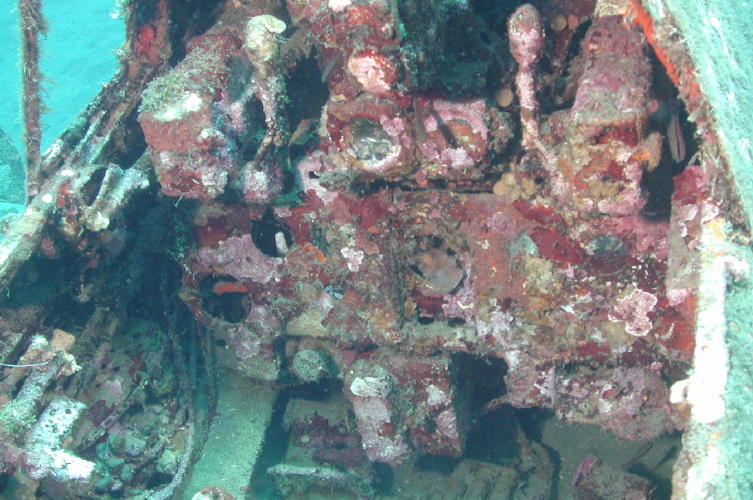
[(422, 252)]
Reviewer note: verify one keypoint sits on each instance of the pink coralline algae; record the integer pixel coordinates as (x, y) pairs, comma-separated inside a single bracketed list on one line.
[(631, 402), (427, 217), (613, 89), (240, 258), (526, 34), (464, 122), (634, 310), (410, 229), (375, 416), (374, 72), (311, 169)]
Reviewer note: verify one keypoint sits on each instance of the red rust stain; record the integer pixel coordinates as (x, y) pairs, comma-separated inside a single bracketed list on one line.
[(297, 222), (428, 305), (690, 185), (642, 18), (369, 210), (144, 38), (615, 171), (364, 15), (318, 254), (674, 332), (592, 350), (537, 213), (557, 247), (209, 236), (626, 134)]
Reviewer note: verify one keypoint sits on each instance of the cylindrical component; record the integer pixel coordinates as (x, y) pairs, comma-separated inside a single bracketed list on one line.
[(526, 34), (262, 42)]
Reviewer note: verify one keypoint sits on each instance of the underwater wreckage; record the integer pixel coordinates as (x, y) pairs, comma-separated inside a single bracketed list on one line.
[(366, 247)]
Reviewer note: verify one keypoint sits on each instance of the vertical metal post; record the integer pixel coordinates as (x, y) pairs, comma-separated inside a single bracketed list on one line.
[(32, 23)]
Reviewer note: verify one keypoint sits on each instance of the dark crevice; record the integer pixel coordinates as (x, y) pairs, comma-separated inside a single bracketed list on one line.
[(93, 185), (669, 118), (190, 18), (220, 302), (307, 91), (129, 144), (264, 231)]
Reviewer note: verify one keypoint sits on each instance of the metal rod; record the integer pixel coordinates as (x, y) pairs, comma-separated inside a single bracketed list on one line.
[(32, 23)]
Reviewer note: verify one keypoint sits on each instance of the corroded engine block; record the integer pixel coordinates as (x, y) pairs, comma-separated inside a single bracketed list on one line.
[(428, 225), (547, 259)]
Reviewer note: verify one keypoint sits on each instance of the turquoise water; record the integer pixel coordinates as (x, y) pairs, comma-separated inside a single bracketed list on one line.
[(78, 55)]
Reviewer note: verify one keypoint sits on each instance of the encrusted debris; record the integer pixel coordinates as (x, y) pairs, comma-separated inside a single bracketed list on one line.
[(427, 254)]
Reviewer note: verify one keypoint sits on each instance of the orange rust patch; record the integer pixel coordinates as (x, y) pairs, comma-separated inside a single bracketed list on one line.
[(639, 16), (318, 254)]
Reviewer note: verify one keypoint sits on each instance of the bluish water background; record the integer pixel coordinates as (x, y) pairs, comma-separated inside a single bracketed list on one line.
[(78, 55)]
